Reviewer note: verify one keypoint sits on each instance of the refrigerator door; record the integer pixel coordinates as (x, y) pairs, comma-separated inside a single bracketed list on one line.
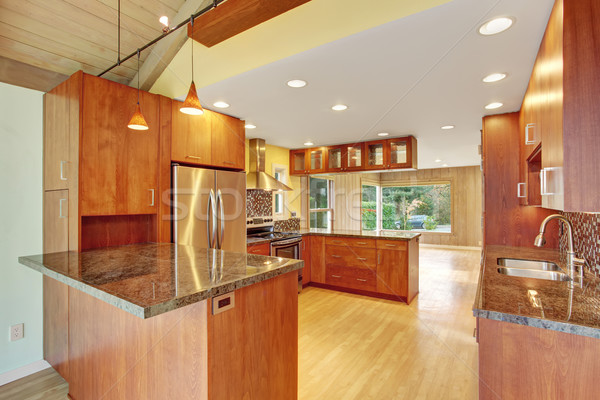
[(231, 210), (194, 211)]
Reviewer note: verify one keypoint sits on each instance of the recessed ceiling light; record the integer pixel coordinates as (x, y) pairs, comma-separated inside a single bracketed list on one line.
[(444, 165), (438, 160), (339, 107), (383, 134), (494, 77), (446, 127), (250, 126), (309, 143), (221, 104), (493, 106), (296, 83), (496, 25)]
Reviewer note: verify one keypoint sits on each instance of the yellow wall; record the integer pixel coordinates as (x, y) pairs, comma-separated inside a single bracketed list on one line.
[(281, 156)]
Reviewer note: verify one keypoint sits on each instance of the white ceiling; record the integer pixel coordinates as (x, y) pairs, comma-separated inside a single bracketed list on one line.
[(410, 76)]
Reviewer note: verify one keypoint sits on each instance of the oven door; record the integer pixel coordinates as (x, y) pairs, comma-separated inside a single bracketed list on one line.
[(289, 248)]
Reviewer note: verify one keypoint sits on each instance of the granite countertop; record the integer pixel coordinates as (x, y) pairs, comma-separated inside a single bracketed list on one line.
[(256, 240), (358, 233), (535, 302), (150, 279)]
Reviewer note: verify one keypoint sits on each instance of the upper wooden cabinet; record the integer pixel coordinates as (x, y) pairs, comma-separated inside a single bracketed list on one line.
[(56, 138), (397, 153), (210, 139), (119, 166)]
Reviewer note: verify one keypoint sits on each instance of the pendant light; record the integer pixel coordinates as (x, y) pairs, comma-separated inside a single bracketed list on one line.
[(191, 105), (137, 121)]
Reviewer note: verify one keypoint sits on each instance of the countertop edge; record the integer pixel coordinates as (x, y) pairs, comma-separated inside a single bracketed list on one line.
[(358, 235)]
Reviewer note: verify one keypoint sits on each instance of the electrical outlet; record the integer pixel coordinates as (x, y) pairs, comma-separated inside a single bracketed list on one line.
[(16, 332)]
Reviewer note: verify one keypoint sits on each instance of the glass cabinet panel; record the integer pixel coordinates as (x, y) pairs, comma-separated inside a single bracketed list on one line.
[(375, 154), (398, 151), (316, 159), (354, 156), (335, 158), (298, 159)]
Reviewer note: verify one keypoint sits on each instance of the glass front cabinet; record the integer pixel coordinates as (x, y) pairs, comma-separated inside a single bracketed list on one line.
[(298, 164)]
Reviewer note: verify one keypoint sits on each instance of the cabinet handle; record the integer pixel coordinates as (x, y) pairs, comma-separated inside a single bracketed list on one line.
[(335, 276), (361, 243), (60, 209), (336, 256), (337, 241), (378, 258), (229, 162), (390, 245), (62, 171), (520, 194), (361, 280), (194, 157), (152, 191), (529, 140), (361, 258)]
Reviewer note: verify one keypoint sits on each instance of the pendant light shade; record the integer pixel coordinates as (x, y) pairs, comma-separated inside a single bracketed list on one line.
[(191, 105), (137, 121)]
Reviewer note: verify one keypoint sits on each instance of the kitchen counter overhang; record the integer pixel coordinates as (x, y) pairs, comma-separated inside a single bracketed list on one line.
[(150, 279), (359, 233)]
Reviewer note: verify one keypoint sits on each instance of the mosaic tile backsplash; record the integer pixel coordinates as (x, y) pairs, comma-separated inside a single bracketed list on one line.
[(288, 225), (259, 203), (586, 237)]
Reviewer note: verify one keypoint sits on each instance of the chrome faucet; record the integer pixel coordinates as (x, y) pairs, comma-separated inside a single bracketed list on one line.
[(572, 260)]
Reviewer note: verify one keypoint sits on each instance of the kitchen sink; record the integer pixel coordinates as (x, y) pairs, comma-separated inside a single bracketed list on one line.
[(528, 264), (535, 274)]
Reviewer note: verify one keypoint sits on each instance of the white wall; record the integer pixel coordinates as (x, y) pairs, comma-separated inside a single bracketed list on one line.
[(21, 116)]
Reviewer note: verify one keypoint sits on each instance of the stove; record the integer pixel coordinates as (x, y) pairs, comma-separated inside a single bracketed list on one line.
[(282, 244)]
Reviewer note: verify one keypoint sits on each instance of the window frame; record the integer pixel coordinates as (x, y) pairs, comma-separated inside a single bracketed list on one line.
[(280, 197), (330, 203)]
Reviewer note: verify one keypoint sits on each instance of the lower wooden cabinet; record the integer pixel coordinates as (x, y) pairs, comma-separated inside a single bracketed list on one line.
[(56, 221), (263, 249), (353, 278), (392, 271), (317, 259), (306, 256)]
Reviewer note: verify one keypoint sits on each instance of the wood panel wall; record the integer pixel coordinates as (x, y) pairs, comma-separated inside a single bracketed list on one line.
[(466, 202)]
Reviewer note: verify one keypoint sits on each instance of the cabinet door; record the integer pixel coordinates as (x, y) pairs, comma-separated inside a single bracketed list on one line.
[(317, 259), (353, 157), (376, 156), (56, 221), (298, 162), (334, 158), (228, 141), (306, 257), (317, 159), (392, 271), (402, 152), (119, 166), (191, 140), (263, 249), (56, 137)]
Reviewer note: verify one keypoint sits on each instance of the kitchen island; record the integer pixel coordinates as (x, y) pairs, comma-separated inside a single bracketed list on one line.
[(159, 321), (538, 338), (372, 263)]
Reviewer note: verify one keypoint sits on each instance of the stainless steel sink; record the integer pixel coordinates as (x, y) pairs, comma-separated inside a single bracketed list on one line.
[(535, 274), (528, 264)]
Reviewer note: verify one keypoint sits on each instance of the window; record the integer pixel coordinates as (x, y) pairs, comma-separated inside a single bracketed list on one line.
[(421, 207), (280, 173), (369, 207), (320, 203)]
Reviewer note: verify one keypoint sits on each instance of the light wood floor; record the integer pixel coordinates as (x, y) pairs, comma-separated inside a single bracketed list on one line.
[(355, 347), (44, 385)]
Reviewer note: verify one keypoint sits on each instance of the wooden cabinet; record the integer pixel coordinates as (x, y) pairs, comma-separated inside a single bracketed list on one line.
[(298, 162), (334, 158), (353, 157), (317, 259), (56, 221), (402, 153), (56, 137), (119, 166), (191, 137), (228, 138), (317, 159), (263, 249), (375, 152), (306, 257)]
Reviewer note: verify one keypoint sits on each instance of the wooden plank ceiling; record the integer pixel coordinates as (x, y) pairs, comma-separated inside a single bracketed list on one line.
[(51, 39)]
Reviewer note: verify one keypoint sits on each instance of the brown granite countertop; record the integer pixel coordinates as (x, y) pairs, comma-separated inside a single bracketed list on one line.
[(361, 234), (535, 302), (256, 240), (151, 279)]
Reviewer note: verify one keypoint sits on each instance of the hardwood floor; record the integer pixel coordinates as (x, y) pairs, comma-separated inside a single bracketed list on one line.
[(44, 385), (355, 347)]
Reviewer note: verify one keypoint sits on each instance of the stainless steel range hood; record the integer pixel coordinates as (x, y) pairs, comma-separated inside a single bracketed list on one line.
[(257, 178)]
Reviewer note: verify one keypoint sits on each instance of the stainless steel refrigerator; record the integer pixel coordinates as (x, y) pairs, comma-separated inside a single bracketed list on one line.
[(209, 208)]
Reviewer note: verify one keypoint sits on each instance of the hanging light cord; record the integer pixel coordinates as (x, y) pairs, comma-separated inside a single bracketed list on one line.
[(192, 23), (138, 75)]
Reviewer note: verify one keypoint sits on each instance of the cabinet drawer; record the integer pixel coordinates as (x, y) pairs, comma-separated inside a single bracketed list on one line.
[(392, 245), (263, 249), (352, 242), (345, 256), (353, 278)]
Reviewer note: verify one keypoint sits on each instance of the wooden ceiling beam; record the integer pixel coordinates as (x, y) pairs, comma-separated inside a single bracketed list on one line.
[(20, 74), (161, 54), (236, 16)]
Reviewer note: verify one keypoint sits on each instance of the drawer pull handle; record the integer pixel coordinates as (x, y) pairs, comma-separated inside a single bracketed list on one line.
[(337, 241), (60, 208), (361, 258), (229, 162), (361, 243), (390, 245), (152, 201), (361, 280), (62, 171), (194, 157), (335, 276), (336, 256)]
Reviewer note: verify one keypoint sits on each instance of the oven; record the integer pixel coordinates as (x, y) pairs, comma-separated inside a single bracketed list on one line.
[(289, 248)]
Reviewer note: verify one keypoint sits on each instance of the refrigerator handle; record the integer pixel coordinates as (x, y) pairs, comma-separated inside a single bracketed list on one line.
[(221, 213), (211, 215)]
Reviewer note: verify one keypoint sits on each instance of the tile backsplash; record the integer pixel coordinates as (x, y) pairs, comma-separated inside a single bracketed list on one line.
[(288, 225), (586, 237), (259, 203)]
